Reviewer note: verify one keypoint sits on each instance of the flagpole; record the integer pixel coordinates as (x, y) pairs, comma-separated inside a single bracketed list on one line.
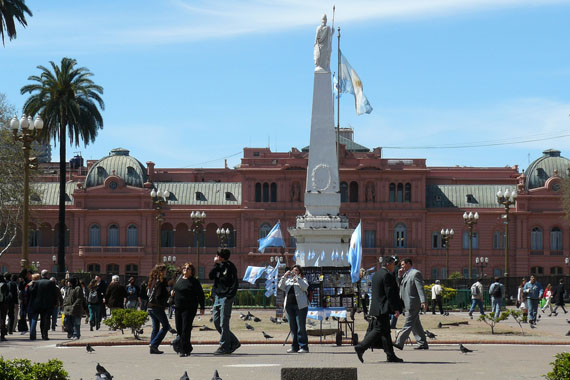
[(338, 94)]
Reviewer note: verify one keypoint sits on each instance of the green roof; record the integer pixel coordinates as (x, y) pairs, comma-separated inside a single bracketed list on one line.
[(48, 193), (202, 193), (350, 145), (464, 196), (544, 167), (118, 163)]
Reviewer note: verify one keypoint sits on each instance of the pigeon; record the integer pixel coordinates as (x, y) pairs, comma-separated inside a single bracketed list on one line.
[(211, 319), (266, 336), (89, 348), (464, 349), (102, 373), (568, 320), (275, 320), (430, 335), (568, 333), (249, 327), (446, 313), (206, 328), (185, 376), (284, 319), (250, 315), (256, 319), (216, 375), (244, 317)]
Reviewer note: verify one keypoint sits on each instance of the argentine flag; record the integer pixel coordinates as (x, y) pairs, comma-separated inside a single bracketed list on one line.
[(273, 239), (350, 83), (253, 273), (354, 255)]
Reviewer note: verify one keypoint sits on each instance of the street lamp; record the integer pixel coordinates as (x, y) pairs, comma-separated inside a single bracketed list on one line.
[(567, 261), (446, 236), (507, 199), (36, 265), (223, 235), (470, 220), (54, 261), (169, 260), (159, 200), (198, 220), (26, 130), (482, 262)]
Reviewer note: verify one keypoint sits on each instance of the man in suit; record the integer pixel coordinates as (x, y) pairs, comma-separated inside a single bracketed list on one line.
[(385, 301), (412, 293), (42, 301)]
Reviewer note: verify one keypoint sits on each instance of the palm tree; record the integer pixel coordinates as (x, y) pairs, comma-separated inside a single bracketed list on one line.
[(10, 10), (66, 99)]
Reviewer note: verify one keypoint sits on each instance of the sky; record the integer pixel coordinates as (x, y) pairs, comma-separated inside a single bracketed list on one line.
[(189, 83)]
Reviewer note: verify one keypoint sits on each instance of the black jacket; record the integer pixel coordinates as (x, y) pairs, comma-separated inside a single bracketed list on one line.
[(43, 296), (225, 279), (558, 296), (385, 298), (188, 294), (158, 295)]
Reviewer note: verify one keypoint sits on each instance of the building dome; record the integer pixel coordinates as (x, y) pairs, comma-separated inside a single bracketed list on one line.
[(118, 163), (544, 167)]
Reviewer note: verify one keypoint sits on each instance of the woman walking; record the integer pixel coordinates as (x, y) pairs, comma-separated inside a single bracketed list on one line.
[(548, 298), (93, 304), (188, 294), (158, 296), (73, 308), (295, 286), (521, 301)]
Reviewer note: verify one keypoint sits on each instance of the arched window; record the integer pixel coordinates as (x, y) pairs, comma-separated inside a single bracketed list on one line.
[(113, 236), (556, 270), (354, 191), (400, 238), (112, 268), (264, 230), (556, 240), (273, 192), (536, 239), (94, 268), (132, 236), (400, 197), (258, 192), (392, 192), (94, 236), (343, 192), (498, 239), (536, 270), (408, 193), (265, 192)]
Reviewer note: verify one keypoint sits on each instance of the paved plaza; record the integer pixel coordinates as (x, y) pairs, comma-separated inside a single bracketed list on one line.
[(524, 357)]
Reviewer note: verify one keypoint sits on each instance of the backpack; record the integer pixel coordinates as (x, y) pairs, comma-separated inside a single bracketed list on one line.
[(474, 290), (132, 293), (497, 291), (93, 296)]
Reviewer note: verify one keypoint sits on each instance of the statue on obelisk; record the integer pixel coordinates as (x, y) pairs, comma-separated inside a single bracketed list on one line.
[(323, 44)]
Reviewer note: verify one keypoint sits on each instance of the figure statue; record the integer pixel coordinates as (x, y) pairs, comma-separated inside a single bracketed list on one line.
[(370, 193), (295, 192), (322, 49)]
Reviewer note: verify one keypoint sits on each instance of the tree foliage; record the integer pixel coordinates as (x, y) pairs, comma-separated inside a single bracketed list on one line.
[(560, 367), (122, 319), (10, 12), (24, 369)]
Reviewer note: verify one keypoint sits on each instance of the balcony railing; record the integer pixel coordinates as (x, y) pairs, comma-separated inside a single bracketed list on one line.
[(89, 250), (556, 252)]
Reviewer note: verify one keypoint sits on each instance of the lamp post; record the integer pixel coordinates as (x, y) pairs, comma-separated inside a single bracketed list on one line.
[(482, 262), (567, 261), (507, 199), (54, 261), (470, 220), (223, 235), (169, 260), (446, 236), (26, 130), (159, 200), (198, 220)]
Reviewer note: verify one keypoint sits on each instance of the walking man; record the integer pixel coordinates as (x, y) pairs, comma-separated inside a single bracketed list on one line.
[(532, 291), (436, 297), (224, 275), (42, 302), (497, 291), (412, 293), (476, 298), (385, 301), (559, 297)]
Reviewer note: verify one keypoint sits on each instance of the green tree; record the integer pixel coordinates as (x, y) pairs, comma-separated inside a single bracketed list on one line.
[(10, 12), (67, 100)]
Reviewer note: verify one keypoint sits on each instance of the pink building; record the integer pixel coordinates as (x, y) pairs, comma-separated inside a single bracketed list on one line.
[(402, 203)]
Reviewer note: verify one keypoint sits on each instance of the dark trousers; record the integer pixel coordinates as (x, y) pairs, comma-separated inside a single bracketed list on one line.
[(184, 320), (380, 332), (3, 312), (437, 301), (11, 318), (45, 319)]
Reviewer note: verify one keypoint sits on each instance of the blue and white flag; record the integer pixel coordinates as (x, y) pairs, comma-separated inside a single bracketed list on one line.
[(253, 273), (354, 255), (273, 239), (350, 83)]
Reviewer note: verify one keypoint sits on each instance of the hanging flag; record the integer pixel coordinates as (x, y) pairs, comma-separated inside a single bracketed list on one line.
[(336, 92), (253, 273), (350, 83), (354, 255), (273, 239)]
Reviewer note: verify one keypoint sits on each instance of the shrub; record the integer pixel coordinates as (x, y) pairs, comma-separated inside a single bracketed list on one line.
[(24, 369), (490, 319), (447, 293), (122, 319), (560, 367)]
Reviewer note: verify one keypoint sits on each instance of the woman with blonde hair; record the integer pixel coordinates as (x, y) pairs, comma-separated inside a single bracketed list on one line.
[(157, 299), (188, 295)]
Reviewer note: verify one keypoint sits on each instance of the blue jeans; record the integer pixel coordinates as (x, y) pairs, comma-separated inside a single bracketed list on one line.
[(496, 306), (222, 312), (158, 317), (532, 309), (297, 324), (94, 310), (54, 314), (33, 323), (132, 304), (476, 302), (73, 325)]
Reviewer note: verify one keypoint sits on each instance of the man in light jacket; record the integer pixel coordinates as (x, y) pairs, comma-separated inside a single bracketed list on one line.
[(476, 298)]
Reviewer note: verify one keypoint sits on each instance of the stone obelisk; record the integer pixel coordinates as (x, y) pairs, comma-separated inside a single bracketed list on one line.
[(322, 229)]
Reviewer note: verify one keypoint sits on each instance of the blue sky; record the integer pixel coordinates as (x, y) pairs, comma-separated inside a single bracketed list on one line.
[(189, 83)]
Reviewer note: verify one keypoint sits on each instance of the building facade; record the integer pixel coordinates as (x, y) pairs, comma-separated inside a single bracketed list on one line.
[(114, 227)]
